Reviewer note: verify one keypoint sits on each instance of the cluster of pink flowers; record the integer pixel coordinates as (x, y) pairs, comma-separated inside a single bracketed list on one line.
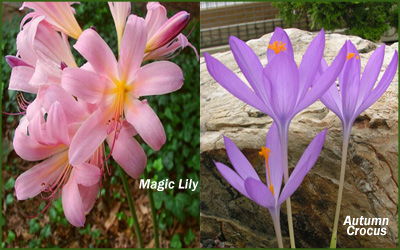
[(77, 108)]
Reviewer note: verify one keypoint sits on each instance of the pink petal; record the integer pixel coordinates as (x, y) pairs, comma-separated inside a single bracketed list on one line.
[(89, 196), (88, 137), (39, 177), (83, 84), (56, 124), (72, 203), (20, 78), (157, 78), (127, 152), (87, 174), (146, 122), (132, 47), (156, 16), (95, 50)]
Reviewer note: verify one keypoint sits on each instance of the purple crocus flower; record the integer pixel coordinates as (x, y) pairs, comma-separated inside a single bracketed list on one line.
[(247, 182), (356, 95), (280, 89)]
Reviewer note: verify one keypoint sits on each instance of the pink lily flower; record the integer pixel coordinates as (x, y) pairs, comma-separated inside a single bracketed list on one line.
[(49, 141), (115, 87), (59, 14), (164, 37), (42, 53), (120, 12)]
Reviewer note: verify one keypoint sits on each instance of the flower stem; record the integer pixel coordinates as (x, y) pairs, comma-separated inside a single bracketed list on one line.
[(345, 144), (283, 133), (132, 208), (277, 226), (153, 214)]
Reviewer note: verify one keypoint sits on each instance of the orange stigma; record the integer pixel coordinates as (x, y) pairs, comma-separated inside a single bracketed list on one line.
[(277, 47), (351, 55), (266, 152)]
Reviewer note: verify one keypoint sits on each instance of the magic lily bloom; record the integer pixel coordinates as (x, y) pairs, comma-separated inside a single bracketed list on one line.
[(280, 89), (356, 95), (49, 140), (247, 182), (116, 87), (163, 36), (59, 14), (42, 52)]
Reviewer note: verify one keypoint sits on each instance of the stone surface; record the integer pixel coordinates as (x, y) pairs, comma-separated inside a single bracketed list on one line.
[(371, 182)]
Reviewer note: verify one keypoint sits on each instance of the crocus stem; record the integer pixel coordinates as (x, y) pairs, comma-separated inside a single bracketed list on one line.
[(277, 227), (346, 137), (283, 133), (132, 208), (153, 214)]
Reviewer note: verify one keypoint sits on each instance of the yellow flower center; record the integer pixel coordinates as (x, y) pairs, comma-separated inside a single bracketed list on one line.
[(265, 152), (351, 55), (277, 47)]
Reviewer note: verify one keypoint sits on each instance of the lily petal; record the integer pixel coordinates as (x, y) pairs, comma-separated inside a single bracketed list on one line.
[(87, 174), (146, 122), (72, 203), (157, 78)]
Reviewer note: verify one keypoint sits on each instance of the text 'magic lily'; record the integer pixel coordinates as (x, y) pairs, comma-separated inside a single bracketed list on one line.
[(357, 93), (247, 182)]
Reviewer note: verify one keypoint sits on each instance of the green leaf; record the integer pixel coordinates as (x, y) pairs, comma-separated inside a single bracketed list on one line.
[(10, 236), (175, 241), (53, 214), (189, 237), (158, 165), (46, 231), (33, 226), (9, 184), (9, 199)]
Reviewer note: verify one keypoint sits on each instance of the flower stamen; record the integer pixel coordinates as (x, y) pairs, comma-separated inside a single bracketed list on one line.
[(265, 152), (277, 47)]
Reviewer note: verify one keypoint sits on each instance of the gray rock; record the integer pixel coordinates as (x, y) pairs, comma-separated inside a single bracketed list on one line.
[(371, 183)]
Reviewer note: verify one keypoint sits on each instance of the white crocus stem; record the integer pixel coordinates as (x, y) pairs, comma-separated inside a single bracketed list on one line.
[(345, 144), (277, 226)]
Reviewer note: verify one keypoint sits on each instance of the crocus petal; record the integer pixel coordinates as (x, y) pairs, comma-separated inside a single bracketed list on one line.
[(146, 122), (249, 64), (283, 77), (20, 78), (88, 137), (72, 203), (310, 63), (231, 82), (259, 193), (127, 152), (280, 36), (93, 48), (350, 87), (39, 177), (304, 165), (232, 178), (89, 196), (371, 73), (324, 82), (331, 99), (56, 124), (85, 85), (157, 78), (87, 174), (132, 47), (273, 143), (381, 87), (239, 161)]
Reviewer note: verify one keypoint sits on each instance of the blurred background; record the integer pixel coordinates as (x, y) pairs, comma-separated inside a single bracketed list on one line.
[(249, 20), (109, 224)]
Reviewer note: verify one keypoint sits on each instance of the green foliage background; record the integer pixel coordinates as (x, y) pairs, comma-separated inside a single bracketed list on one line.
[(369, 20), (179, 112)]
